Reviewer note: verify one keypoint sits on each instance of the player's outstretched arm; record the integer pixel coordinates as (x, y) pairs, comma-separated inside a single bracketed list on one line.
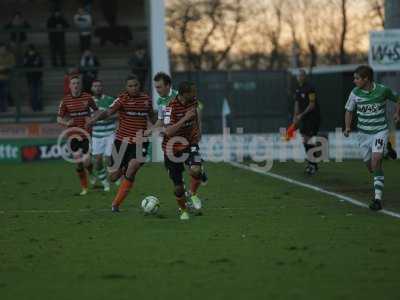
[(150, 124), (348, 117), (100, 115)]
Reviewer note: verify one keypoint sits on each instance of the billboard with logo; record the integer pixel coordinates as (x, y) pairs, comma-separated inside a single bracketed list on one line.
[(27, 150), (9, 151), (384, 50)]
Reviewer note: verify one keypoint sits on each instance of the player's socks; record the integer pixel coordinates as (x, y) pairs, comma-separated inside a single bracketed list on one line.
[(379, 181), (89, 168), (123, 191), (204, 178), (312, 167), (102, 176), (83, 179), (307, 147), (181, 203), (194, 185), (92, 175)]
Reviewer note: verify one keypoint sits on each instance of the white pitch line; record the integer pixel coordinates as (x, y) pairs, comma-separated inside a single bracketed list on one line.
[(313, 187), (85, 210)]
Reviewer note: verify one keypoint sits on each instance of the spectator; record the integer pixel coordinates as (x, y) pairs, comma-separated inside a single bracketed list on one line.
[(56, 24), (87, 4), (83, 21), (18, 26), (88, 68), (7, 62), (138, 63), (33, 59)]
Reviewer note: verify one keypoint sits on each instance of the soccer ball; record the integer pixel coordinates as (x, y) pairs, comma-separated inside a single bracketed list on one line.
[(150, 205)]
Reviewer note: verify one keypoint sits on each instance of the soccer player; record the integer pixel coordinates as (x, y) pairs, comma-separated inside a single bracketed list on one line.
[(163, 86), (307, 117), (179, 145), (74, 111), (103, 135), (368, 99), (135, 110)]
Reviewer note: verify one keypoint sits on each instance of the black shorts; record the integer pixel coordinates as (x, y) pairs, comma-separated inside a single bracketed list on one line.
[(132, 151), (175, 169), (79, 145), (309, 126)]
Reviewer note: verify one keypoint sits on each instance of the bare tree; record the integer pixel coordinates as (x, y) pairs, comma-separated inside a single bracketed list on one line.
[(292, 21), (205, 30), (343, 34), (377, 8), (215, 34)]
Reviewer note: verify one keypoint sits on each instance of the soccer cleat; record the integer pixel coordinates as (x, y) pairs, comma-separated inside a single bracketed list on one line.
[(204, 178), (184, 215), (92, 179), (375, 205), (83, 192), (114, 208), (391, 153), (196, 202), (311, 169), (106, 186)]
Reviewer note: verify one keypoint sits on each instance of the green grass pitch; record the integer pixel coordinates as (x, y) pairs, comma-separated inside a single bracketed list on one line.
[(259, 238)]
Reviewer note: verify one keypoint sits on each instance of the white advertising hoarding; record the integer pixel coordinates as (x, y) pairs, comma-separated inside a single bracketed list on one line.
[(384, 50)]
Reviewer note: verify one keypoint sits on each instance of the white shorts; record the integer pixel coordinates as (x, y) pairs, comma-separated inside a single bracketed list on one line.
[(103, 146), (372, 143)]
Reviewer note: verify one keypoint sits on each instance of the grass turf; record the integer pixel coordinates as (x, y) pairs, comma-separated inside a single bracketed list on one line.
[(350, 178), (258, 238)]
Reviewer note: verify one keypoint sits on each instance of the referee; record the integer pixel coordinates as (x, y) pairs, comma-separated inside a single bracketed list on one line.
[(307, 117)]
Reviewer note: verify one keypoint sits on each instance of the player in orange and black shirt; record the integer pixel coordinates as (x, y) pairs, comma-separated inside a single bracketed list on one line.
[(74, 111), (180, 145), (135, 110)]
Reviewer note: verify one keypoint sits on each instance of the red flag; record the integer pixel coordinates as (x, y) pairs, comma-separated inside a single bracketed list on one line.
[(291, 132)]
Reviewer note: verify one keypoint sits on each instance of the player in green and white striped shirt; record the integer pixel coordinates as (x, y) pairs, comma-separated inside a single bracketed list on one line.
[(163, 86), (103, 134), (368, 99)]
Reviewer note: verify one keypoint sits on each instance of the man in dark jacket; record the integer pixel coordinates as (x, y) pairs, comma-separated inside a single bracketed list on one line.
[(18, 26), (33, 59), (56, 24)]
